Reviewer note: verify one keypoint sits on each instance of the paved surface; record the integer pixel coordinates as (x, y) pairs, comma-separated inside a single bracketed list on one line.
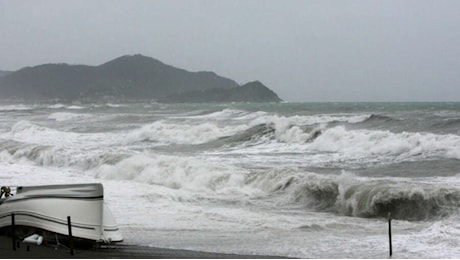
[(117, 251)]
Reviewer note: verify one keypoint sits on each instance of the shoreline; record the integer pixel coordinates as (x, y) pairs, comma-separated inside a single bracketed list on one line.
[(113, 251)]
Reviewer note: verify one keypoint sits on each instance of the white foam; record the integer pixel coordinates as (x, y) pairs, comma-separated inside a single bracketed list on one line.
[(291, 129), (358, 144), (287, 129), (50, 147), (368, 143), (435, 240), (28, 132), (75, 107), (65, 116), (161, 131), (115, 105), (18, 107), (221, 115), (307, 120), (25, 131), (57, 106), (180, 173)]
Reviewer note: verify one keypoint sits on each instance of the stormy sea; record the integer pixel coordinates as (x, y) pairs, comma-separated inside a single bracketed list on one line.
[(308, 180)]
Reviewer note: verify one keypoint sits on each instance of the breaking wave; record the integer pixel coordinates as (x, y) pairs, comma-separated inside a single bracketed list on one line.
[(178, 173), (379, 118), (174, 133), (131, 154), (334, 145), (56, 106), (343, 144), (55, 156), (65, 116), (227, 113), (49, 147), (345, 194), (371, 199), (355, 196), (379, 121), (19, 107), (368, 143), (245, 126)]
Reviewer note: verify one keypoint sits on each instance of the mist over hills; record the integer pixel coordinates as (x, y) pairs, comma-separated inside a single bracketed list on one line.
[(4, 73), (127, 78)]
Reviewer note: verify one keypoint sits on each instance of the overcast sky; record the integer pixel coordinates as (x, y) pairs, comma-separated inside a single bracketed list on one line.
[(303, 50)]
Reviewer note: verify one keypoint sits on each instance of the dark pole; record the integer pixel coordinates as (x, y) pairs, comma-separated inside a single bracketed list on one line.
[(14, 231), (69, 225), (389, 234)]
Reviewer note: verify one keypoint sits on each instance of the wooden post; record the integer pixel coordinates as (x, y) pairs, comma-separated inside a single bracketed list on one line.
[(69, 225), (13, 225), (389, 233)]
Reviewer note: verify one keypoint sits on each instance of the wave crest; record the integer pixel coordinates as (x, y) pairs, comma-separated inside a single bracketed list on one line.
[(179, 173), (367, 142), (347, 195), (163, 132)]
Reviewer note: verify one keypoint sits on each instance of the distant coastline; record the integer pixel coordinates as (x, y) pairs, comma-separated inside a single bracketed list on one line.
[(129, 78)]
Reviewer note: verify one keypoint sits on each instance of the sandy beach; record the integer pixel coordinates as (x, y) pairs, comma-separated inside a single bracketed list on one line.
[(117, 251)]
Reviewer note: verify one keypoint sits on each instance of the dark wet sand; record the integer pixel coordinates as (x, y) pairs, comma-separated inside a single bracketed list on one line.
[(117, 251)]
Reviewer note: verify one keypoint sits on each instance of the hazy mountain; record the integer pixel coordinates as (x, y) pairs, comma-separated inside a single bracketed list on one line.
[(127, 78), (4, 73), (139, 76), (250, 92)]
